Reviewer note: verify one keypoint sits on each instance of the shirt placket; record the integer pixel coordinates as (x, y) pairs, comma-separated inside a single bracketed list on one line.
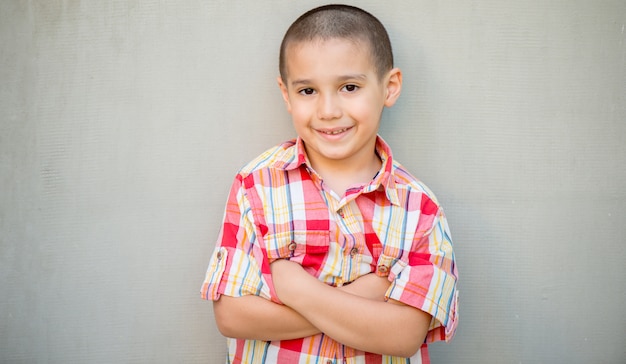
[(350, 226)]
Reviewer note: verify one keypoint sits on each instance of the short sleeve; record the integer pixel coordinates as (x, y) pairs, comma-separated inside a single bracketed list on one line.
[(427, 278), (235, 266)]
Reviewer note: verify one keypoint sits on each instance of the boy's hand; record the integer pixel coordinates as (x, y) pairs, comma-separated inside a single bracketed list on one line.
[(289, 277)]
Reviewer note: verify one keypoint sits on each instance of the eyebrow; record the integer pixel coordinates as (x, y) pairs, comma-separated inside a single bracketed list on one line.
[(358, 76)]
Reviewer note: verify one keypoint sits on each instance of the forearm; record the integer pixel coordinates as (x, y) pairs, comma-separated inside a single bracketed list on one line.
[(363, 323), (255, 318), (368, 286)]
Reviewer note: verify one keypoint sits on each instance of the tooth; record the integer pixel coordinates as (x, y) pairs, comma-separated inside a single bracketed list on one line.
[(335, 132)]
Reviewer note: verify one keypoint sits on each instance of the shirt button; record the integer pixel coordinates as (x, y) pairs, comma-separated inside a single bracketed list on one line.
[(383, 268), (340, 212), (329, 361), (353, 252), (292, 246), (219, 255)]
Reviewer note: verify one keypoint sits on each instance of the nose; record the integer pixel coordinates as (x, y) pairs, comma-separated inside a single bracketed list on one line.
[(328, 107)]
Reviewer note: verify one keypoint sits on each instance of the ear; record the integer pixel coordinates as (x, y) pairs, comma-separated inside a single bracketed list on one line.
[(284, 92), (393, 87)]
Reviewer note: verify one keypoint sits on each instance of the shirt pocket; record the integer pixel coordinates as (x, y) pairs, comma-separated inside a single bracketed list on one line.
[(307, 248)]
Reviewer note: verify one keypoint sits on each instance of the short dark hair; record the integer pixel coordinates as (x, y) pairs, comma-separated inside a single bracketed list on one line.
[(340, 21)]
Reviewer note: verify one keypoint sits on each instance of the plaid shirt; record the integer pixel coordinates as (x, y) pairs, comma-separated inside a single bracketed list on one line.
[(393, 226)]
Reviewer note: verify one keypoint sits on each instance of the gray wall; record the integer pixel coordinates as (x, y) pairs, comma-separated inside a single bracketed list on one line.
[(122, 124)]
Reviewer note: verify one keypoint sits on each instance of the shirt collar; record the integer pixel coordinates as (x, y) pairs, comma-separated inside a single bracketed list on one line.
[(384, 178), (293, 157)]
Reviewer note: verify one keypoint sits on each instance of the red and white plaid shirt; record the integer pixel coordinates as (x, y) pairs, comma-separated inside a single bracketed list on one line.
[(278, 207)]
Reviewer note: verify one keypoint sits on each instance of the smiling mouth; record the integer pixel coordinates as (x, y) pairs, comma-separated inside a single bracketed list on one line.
[(333, 132)]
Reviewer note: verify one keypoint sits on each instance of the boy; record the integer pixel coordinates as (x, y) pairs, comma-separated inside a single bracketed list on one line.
[(331, 252)]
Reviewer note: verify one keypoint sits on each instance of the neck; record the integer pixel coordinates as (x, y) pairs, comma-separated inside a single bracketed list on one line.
[(342, 175)]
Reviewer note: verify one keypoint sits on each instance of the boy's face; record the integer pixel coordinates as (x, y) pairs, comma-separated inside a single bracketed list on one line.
[(336, 98)]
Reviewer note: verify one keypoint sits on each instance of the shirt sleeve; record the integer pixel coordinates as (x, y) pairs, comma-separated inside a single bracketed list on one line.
[(427, 278), (237, 266)]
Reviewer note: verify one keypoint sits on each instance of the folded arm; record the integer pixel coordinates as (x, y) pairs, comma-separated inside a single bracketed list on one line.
[(365, 323), (256, 318)]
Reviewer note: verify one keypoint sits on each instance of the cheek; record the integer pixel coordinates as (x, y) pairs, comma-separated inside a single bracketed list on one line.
[(299, 122), (364, 109), (299, 113)]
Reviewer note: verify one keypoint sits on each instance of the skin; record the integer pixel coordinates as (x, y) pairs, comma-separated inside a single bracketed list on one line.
[(336, 99)]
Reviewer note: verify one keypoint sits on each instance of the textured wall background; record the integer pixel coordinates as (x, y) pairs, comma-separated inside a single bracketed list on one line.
[(122, 124)]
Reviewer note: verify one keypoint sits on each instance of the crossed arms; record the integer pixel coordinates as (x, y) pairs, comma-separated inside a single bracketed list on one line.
[(355, 315)]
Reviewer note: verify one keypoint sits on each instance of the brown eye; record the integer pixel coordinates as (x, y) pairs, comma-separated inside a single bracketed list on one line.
[(306, 91), (351, 88)]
